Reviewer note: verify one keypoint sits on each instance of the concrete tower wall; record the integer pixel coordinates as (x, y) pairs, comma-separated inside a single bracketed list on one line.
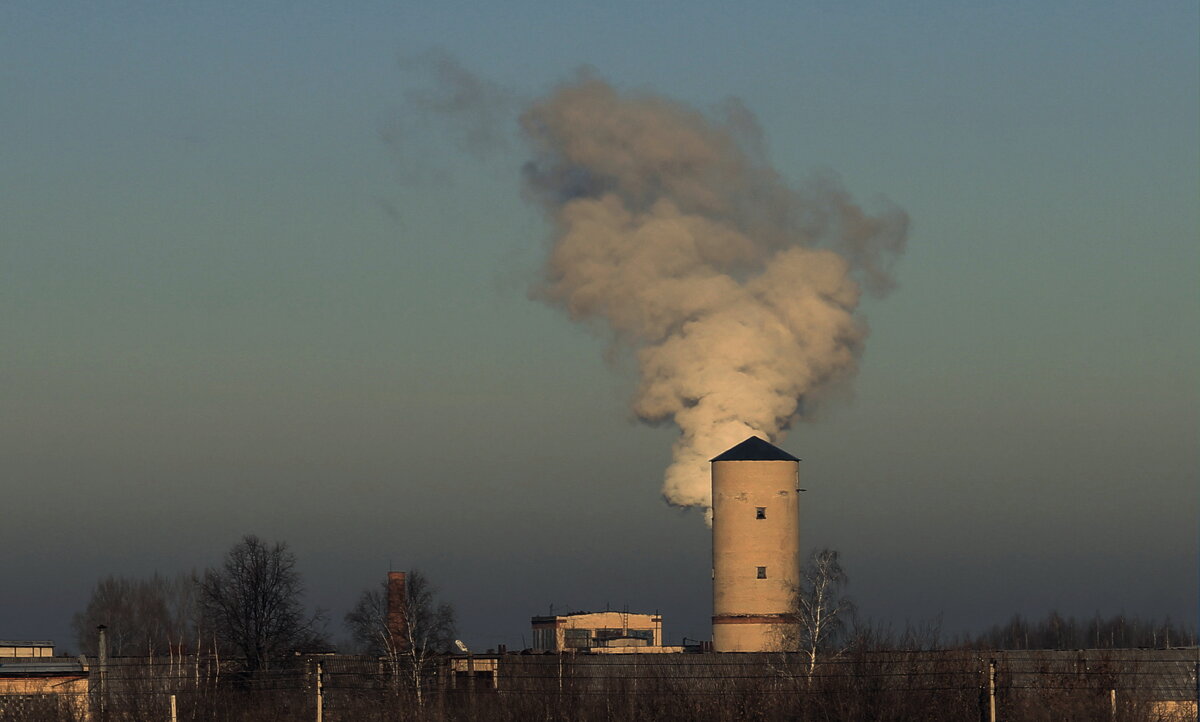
[(756, 551)]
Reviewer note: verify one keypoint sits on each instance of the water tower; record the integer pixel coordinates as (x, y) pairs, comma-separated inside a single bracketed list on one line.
[(756, 545)]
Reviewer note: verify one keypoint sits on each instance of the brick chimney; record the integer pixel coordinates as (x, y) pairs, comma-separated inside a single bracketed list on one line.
[(397, 617)]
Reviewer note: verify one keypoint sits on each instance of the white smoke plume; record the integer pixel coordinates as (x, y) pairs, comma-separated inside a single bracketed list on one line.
[(736, 292)]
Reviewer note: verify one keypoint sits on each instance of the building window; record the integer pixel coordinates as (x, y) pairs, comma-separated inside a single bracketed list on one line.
[(762, 572), (760, 512), (606, 634), (577, 638)]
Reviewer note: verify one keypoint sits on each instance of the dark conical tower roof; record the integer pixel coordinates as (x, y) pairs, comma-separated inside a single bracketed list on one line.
[(755, 449)]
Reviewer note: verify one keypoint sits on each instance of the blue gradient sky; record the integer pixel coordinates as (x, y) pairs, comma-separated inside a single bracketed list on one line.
[(229, 306)]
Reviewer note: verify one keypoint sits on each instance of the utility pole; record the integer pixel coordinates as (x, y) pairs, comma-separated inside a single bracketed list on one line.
[(471, 682), (102, 651), (320, 692), (992, 690), (445, 675)]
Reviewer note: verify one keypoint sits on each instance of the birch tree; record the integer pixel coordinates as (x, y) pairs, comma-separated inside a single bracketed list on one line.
[(821, 608), (428, 630)]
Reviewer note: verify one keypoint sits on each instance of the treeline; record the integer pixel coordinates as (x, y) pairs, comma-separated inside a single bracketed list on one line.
[(143, 617), (827, 622), (1055, 631), (251, 607), (1052, 632)]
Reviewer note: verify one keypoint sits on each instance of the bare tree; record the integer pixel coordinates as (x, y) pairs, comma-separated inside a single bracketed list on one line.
[(428, 629), (144, 616), (368, 623), (253, 602), (821, 607)]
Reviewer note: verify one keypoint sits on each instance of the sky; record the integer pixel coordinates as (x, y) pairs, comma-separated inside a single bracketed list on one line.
[(250, 286)]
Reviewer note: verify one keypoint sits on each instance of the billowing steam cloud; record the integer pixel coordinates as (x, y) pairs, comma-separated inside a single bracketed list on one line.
[(736, 292)]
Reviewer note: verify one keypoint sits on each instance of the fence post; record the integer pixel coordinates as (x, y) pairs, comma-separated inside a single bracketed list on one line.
[(174, 714), (445, 674), (320, 692), (991, 690), (471, 685)]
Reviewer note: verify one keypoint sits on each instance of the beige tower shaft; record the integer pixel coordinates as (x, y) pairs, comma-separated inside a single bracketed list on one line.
[(756, 545)]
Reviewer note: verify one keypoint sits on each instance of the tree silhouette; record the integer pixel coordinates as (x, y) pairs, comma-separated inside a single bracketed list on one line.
[(253, 602)]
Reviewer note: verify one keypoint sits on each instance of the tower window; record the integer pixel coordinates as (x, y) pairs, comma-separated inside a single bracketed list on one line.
[(762, 572), (760, 512)]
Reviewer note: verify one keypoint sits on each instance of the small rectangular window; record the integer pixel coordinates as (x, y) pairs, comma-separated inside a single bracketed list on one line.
[(762, 572), (760, 512)]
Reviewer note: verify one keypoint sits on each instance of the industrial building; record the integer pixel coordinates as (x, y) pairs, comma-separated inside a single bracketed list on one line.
[(35, 682), (581, 631), (21, 649)]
